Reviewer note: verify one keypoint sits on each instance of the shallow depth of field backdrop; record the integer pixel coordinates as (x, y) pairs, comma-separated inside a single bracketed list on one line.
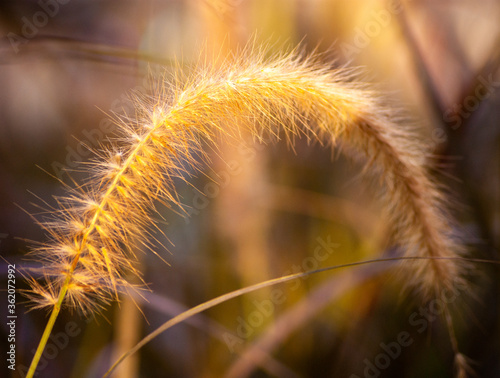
[(276, 210)]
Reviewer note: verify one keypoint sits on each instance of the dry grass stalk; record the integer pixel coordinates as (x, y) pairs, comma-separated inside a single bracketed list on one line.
[(90, 246)]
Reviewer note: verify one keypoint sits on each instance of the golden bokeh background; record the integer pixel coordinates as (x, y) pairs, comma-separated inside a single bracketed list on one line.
[(268, 209)]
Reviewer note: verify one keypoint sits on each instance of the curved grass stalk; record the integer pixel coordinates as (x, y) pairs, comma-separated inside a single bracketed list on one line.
[(236, 293), (225, 297), (91, 240), (169, 307)]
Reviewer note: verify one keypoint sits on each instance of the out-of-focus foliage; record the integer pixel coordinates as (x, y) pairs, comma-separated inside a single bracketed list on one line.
[(60, 73)]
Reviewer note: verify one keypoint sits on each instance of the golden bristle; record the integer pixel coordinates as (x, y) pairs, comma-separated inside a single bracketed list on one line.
[(99, 224)]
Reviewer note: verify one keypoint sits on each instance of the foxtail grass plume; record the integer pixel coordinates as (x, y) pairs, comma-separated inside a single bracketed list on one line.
[(91, 239)]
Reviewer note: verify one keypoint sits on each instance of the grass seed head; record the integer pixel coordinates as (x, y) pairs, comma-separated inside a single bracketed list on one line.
[(98, 224)]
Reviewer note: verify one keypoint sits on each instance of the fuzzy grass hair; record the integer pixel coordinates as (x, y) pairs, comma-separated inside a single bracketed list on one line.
[(97, 224)]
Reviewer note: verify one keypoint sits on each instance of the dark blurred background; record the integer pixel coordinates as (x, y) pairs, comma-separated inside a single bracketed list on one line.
[(65, 65)]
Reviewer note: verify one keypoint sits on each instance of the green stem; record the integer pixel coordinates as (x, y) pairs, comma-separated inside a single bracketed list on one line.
[(48, 330)]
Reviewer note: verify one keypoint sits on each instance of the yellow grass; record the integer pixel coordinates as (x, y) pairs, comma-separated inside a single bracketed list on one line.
[(91, 240)]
